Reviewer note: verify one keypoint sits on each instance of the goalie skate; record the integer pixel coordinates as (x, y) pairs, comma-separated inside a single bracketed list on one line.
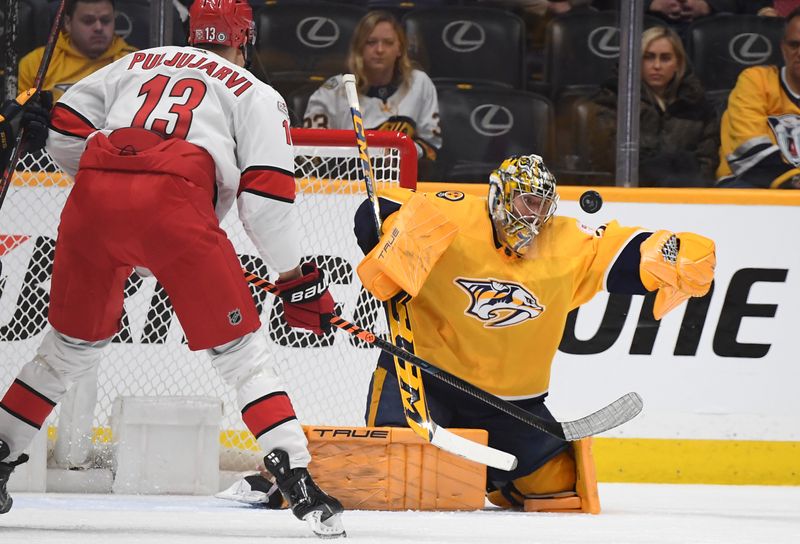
[(308, 502)]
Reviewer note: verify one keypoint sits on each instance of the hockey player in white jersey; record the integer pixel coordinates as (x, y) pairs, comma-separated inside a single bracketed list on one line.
[(392, 94), (161, 144)]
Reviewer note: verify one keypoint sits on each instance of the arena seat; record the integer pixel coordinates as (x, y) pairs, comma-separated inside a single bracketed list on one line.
[(468, 45), (297, 101), (581, 156), (721, 46), (30, 33), (300, 42), (132, 22), (481, 127), (582, 50)]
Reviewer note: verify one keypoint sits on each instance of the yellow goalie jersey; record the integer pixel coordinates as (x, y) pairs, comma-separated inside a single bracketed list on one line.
[(495, 320)]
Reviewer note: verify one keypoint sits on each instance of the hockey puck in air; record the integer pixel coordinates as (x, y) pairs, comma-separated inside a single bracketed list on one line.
[(591, 201)]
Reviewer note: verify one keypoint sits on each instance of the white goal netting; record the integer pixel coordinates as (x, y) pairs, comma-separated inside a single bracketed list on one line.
[(327, 377)]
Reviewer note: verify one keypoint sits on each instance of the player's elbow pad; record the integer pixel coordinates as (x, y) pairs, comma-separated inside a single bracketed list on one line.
[(678, 265), (413, 241)]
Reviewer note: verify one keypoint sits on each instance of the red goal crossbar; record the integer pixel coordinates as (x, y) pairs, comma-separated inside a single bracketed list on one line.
[(404, 145)]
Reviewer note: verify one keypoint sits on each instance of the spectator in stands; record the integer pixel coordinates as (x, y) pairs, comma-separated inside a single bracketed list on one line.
[(541, 7), (393, 95), (768, 8), (86, 44), (680, 13), (678, 127), (760, 131)]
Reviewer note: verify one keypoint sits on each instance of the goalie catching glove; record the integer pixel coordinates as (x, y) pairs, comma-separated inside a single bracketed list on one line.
[(678, 265), (307, 304)]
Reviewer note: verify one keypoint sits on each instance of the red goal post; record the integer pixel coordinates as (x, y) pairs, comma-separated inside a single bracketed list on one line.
[(326, 377)]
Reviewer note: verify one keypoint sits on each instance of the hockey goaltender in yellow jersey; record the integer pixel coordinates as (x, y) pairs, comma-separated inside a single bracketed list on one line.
[(487, 284), (485, 301), (481, 304)]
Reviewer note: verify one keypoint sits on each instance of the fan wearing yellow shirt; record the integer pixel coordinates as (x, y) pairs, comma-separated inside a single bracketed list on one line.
[(490, 305), (86, 44)]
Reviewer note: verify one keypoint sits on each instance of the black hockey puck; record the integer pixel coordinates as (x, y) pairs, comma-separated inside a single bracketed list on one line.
[(591, 201)]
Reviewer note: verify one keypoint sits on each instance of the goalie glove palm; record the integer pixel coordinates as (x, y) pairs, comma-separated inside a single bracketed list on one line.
[(307, 304)]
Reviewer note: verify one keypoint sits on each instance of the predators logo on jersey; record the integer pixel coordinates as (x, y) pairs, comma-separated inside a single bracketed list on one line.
[(786, 129), (499, 303)]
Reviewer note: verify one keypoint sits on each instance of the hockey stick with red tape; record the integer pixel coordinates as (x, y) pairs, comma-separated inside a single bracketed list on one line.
[(618, 412), (30, 93)]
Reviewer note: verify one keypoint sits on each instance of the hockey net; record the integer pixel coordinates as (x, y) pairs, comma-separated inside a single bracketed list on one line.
[(327, 377)]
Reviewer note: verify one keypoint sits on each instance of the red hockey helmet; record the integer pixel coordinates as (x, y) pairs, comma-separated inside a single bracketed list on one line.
[(223, 22)]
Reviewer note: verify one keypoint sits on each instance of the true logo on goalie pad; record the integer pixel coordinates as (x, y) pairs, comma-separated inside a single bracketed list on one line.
[(235, 317), (499, 303)]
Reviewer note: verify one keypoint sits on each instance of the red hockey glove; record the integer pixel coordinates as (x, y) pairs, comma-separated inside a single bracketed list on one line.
[(306, 301)]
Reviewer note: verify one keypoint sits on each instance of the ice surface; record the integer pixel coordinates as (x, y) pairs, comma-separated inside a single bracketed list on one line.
[(632, 513)]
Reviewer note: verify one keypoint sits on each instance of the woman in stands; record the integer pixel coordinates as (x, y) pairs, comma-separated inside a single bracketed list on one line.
[(679, 128), (393, 94)]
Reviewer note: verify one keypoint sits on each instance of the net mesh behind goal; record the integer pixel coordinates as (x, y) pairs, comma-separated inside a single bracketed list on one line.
[(326, 377)]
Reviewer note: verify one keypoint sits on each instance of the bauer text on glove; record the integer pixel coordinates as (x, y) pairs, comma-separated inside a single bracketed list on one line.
[(307, 303)]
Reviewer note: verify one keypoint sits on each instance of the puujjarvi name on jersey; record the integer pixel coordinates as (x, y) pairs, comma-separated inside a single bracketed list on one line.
[(232, 78)]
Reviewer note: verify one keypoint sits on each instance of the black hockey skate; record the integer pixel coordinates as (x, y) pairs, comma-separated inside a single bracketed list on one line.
[(308, 502), (6, 468)]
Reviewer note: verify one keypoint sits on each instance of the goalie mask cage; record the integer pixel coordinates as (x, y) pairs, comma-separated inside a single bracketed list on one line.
[(326, 377)]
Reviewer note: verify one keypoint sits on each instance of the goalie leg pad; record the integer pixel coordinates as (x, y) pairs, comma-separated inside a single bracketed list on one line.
[(587, 500), (551, 479), (566, 483), (388, 468)]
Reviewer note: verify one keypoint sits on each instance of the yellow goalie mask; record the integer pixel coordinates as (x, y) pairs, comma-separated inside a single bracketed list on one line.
[(522, 198), (678, 265)]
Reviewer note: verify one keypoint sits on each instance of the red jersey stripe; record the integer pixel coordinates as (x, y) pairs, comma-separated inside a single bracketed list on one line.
[(268, 412), (270, 183), (67, 121), (26, 404)]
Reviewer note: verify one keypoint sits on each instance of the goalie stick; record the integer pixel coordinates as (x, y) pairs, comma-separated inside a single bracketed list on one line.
[(30, 93), (409, 378), (618, 412)]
